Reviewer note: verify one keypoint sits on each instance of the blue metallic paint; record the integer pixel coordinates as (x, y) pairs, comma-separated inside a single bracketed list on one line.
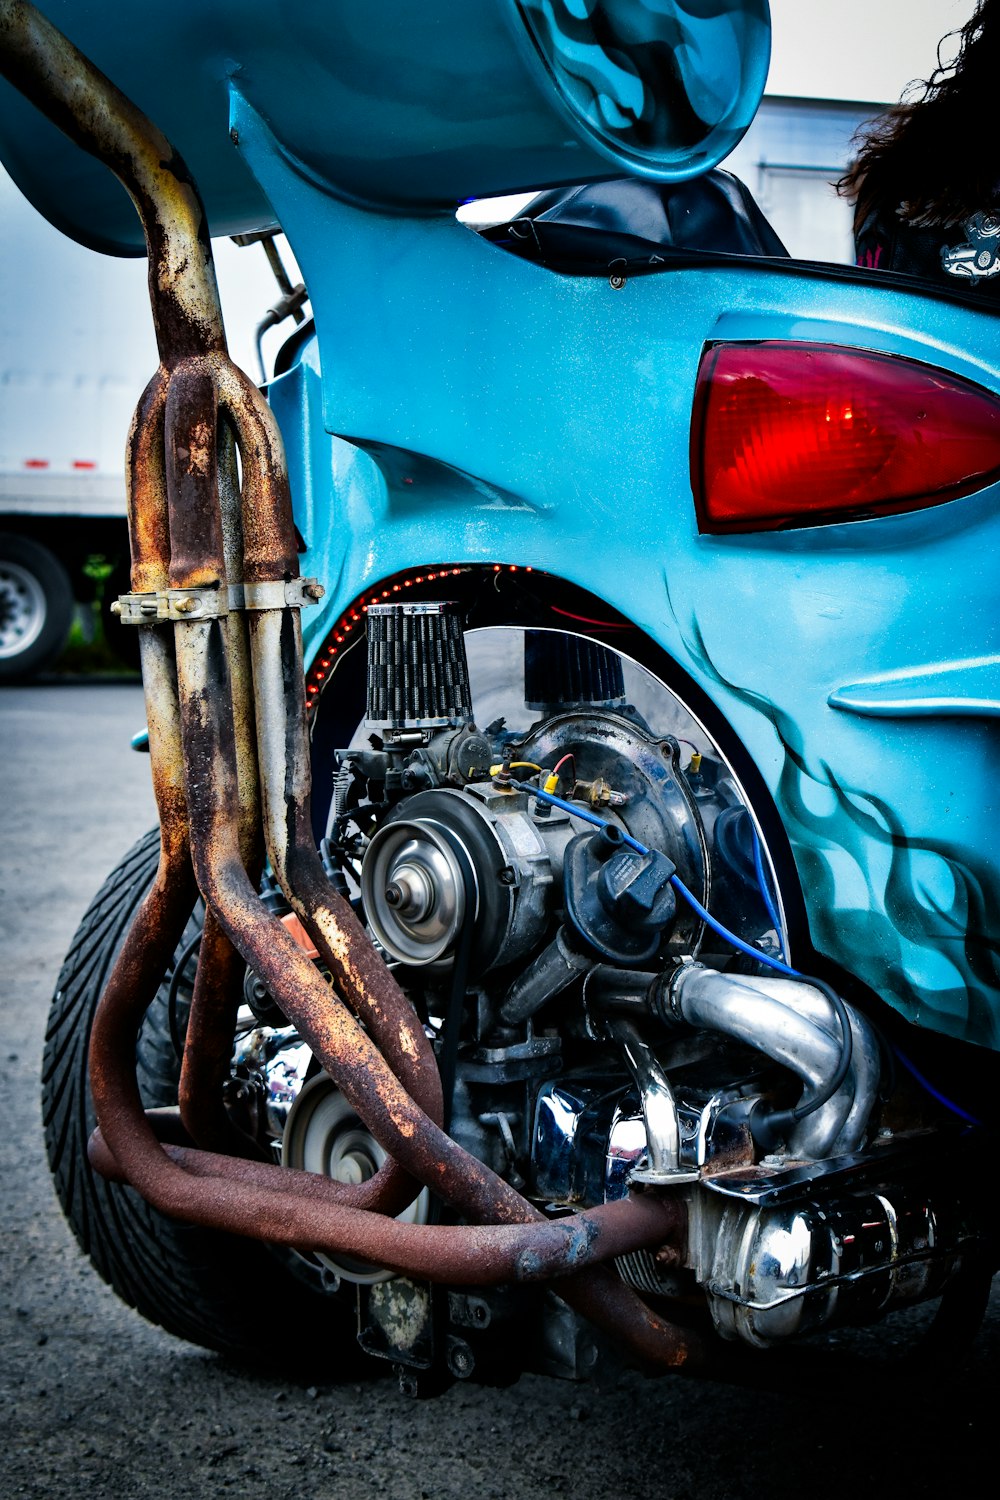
[(502, 413)]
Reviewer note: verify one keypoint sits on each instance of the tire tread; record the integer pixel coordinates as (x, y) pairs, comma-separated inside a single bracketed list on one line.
[(199, 1284)]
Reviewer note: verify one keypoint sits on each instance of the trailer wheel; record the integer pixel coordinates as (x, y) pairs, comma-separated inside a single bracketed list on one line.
[(36, 607)]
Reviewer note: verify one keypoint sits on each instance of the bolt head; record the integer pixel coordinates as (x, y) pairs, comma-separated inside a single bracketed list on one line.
[(314, 591), (116, 606), (461, 1361)]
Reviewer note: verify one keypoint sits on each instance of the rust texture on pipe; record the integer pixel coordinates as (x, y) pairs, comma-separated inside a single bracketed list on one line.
[(208, 1045), (146, 490), (238, 646), (218, 988), (197, 554), (226, 716), (302, 1216), (269, 546), (283, 750)]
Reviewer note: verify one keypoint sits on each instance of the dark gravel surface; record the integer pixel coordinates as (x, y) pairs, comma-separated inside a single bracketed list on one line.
[(98, 1403)]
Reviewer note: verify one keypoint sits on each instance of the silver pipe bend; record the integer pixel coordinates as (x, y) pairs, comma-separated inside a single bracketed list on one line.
[(794, 1024)]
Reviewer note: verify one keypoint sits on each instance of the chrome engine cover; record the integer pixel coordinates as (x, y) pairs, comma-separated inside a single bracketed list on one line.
[(774, 1270), (779, 1247)]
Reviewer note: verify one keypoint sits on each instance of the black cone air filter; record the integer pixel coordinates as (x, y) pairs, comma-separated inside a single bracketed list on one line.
[(560, 670), (418, 675)]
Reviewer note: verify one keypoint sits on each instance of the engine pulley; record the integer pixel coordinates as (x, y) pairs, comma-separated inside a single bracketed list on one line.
[(446, 857), (416, 882)]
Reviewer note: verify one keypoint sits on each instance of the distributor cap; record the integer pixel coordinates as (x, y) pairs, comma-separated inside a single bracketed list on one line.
[(619, 900)]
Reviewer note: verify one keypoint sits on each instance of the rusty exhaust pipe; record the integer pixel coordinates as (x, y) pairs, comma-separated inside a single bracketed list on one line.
[(201, 705)]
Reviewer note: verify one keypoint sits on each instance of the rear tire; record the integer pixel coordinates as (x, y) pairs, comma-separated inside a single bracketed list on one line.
[(202, 1285), (36, 607)]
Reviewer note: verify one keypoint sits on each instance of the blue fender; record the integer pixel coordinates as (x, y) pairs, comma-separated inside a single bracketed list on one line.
[(474, 407)]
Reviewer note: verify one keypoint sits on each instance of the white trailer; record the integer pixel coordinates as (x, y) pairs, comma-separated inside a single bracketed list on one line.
[(76, 351), (76, 348)]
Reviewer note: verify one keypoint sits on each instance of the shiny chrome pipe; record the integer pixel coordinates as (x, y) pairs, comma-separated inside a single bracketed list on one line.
[(794, 1024), (659, 1112)]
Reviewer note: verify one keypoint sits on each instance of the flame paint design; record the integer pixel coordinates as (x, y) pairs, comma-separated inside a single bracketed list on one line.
[(872, 890), (655, 78)]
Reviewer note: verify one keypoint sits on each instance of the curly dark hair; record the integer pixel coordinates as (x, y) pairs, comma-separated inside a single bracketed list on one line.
[(932, 156)]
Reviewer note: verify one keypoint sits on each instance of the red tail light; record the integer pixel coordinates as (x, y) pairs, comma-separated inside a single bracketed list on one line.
[(795, 434)]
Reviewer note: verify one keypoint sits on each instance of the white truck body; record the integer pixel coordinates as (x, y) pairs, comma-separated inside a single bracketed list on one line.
[(76, 348), (76, 351)]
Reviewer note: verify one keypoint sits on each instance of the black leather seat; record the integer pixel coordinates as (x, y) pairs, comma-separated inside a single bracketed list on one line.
[(588, 228)]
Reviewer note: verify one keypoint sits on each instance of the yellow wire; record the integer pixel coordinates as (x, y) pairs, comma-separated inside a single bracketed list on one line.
[(516, 765)]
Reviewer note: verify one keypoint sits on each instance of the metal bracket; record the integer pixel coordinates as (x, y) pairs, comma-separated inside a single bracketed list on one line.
[(291, 593), (172, 605)]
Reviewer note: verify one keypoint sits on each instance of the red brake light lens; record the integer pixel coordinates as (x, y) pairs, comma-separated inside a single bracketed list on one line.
[(796, 434)]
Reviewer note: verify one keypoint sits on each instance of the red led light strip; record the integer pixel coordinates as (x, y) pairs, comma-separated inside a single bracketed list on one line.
[(349, 625), (586, 620), (351, 622)]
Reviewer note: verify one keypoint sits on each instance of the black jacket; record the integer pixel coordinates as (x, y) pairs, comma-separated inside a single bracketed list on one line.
[(965, 257)]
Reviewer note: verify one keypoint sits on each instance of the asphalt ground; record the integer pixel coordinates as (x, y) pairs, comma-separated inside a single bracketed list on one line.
[(96, 1402)]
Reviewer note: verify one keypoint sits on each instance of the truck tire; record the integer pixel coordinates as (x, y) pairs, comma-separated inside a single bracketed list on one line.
[(199, 1284), (36, 607)]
